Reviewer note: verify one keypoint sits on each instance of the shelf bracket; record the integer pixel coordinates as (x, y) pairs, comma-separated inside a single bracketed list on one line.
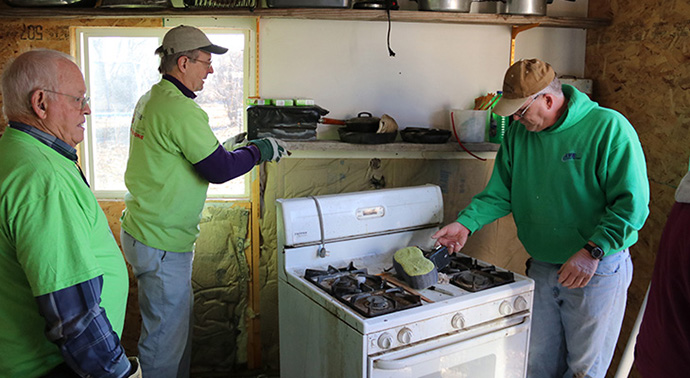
[(514, 32)]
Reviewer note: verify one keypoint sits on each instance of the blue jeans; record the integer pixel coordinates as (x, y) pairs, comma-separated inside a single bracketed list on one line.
[(574, 331), (165, 302)]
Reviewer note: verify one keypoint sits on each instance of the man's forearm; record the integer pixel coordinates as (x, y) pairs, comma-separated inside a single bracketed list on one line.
[(77, 324)]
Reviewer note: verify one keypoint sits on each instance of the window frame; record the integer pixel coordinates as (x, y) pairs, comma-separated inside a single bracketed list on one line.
[(245, 26)]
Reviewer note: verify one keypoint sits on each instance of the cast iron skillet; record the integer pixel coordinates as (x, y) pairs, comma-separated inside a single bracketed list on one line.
[(364, 122), (422, 135), (360, 137)]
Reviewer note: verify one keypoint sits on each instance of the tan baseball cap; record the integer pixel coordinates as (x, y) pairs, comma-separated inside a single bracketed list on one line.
[(186, 38), (523, 79)]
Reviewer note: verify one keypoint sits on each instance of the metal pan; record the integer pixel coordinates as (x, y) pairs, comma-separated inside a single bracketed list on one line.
[(358, 137), (422, 135), (439, 256), (364, 122)]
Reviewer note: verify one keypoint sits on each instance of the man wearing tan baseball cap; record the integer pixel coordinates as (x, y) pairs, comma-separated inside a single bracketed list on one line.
[(187, 38), (523, 80), (573, 175), (173, 156)]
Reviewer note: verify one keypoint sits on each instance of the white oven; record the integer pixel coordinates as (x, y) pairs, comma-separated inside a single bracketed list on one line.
[(390, 330)]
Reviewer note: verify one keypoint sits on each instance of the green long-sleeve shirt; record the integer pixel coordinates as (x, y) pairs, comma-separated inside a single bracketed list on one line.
[(584, 178)]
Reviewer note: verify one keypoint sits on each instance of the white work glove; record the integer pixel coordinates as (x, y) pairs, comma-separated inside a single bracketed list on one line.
[(235, 142), (271, 149), (136, 367)]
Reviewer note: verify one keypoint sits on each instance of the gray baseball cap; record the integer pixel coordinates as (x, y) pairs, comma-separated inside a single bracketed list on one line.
[(186, 38)]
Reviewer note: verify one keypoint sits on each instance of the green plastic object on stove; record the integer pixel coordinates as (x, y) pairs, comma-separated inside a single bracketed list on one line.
[(415, 269)]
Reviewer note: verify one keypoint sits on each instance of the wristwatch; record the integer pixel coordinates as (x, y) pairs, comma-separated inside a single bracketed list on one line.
[(595, 252)]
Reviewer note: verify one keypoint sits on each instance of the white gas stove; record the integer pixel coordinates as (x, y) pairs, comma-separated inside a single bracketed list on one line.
[(473, 323)]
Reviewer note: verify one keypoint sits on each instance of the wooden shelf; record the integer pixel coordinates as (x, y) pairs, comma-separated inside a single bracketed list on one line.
[(334, 149), (310, 14)]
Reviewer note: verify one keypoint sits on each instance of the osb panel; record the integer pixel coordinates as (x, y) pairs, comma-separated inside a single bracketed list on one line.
[(21, 35), (640, 66)]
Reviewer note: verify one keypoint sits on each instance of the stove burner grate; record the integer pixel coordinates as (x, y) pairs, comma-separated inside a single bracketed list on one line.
[(382, 302), (466, 273), (367, 294)]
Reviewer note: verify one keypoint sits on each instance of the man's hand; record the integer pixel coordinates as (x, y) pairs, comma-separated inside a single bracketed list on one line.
[(271, 149), (578, 270), (453, 236)]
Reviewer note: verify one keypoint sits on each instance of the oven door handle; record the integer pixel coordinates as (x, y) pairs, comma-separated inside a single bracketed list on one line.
[(449, 349)]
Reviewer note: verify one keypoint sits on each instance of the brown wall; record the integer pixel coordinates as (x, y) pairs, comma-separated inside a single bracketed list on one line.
[(641, 67), (20, 35)]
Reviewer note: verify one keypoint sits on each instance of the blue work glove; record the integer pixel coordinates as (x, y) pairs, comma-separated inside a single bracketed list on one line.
[(271, 149)]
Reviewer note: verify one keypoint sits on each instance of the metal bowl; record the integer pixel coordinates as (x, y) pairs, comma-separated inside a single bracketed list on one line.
[(526, 7), (462, 6)]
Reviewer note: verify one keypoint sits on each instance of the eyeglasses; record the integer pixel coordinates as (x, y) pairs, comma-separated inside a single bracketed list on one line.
[(522, 113), (83, 101), (208, 64)]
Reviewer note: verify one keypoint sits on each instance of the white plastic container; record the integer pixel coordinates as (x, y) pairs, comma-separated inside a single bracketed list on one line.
[(470, 125)]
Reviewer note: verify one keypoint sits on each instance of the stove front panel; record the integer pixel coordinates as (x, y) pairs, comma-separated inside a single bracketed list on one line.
[(306, 220)]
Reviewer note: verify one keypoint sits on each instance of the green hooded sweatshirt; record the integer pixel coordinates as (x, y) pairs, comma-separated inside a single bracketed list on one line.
[(582, 179)]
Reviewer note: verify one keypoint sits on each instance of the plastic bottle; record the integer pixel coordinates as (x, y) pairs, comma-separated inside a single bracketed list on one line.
[(497, 125)]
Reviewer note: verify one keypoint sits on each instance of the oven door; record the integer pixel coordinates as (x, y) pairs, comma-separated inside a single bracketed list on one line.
[(497, 350)]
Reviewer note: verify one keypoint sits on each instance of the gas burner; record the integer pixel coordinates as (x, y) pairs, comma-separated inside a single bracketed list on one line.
[(354, 283), (382, 301), (367, 294), (460, 264), (310, 273), (466, 273), (476, 280)]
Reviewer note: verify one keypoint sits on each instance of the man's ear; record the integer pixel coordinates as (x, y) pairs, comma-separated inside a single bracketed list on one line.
[(182, 63), (38, 103)]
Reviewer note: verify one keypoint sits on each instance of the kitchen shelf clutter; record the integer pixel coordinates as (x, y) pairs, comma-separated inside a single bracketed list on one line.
[(310, 13)]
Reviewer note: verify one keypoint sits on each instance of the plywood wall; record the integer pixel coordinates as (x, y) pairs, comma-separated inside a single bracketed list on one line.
[(641, 67), (18, 36)]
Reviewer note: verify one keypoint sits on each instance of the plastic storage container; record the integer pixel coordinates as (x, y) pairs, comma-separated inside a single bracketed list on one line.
[(470, 125)]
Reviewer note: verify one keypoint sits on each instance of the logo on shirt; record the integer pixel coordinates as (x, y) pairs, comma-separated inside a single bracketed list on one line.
[(136, 129), (570, 156)]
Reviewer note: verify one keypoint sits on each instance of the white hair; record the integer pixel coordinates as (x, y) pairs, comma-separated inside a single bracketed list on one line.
[(32, 70)]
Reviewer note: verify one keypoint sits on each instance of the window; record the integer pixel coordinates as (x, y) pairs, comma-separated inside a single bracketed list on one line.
[(119, 66)]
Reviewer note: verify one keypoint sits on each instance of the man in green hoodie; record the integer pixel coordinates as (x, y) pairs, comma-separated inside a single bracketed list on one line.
[(573, 175)]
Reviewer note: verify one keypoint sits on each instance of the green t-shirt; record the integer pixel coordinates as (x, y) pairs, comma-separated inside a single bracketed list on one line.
[(169, 134), (53, 235)]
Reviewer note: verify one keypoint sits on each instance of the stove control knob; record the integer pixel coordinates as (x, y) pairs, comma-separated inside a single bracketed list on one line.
[(405, 336), (520, 303), (458, 321), (505, 308), (385, 340)]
